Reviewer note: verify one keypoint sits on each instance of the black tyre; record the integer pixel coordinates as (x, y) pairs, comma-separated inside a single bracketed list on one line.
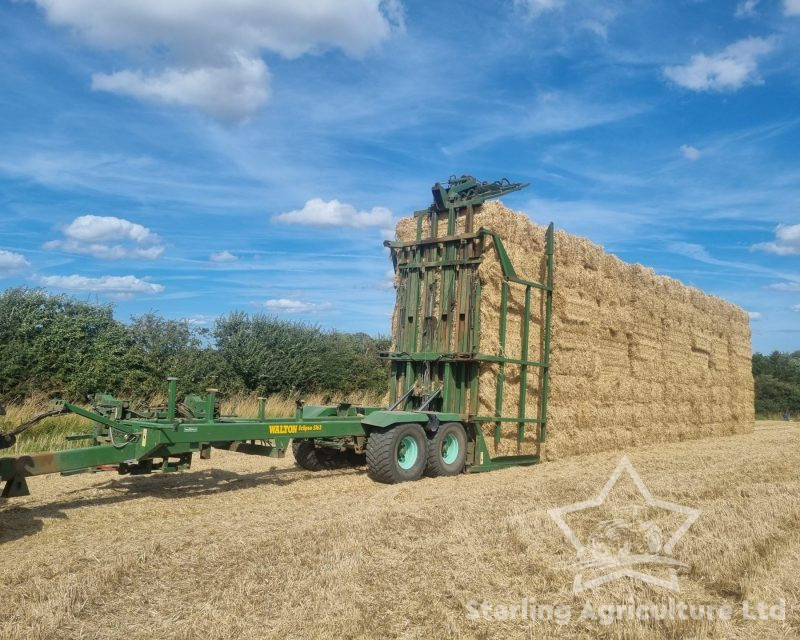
[(355, 459), (397, 454), (315, 458), (447, 450)]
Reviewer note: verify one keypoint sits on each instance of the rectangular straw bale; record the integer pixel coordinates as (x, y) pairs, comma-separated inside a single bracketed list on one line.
[(635, 357)]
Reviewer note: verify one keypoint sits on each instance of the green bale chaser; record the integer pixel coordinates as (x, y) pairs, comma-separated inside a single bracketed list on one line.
[(432, 425)]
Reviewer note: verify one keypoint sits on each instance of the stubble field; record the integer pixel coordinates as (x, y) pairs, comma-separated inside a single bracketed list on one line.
[(248, 547)]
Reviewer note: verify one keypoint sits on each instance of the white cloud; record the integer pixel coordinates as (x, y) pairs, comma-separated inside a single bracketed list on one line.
[(731, 69), (11, 262), (223, 256), (291, 305), (93, 235), (230, 93), (754, 315), (746, 8), (689, 152), (791, 7), (785, 286), (207, 53), (332, 213), (787, 241), (104, 228), (795, 307), (115, 285)]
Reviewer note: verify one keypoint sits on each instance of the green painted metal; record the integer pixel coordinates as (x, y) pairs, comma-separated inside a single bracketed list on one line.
[(434, 371), (447, 357), (450, 448), (384, 419), (407, 453), (548, 321), (501, 373), (172, 392), (523, 384)]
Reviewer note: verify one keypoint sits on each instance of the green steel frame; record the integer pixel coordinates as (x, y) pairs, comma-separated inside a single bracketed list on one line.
[(434, 371), (436, 363)]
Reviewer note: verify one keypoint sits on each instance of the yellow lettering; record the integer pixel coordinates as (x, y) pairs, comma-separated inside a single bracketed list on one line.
[(288, 429)]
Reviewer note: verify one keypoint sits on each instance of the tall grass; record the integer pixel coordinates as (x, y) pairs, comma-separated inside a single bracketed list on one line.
[(50, 433)]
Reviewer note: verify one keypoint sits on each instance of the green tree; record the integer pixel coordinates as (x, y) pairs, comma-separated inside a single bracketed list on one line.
[(777, 382), (59, 344)]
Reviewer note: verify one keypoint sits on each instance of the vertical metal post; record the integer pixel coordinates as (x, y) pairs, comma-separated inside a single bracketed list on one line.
[(548, 313), (474, 344), (172, 393), (501, 368), (211, 400), (523, 378), (412, 314)]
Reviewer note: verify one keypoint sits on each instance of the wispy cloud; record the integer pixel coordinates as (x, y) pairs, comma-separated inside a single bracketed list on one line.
[(223, 256), (690, 153), (754, 315), (731, 69), (535, 8), (291, 305), (746, 8), (791, 7), (551, 112), (200, 320), (784, 286), (700, 253), (115, 285)]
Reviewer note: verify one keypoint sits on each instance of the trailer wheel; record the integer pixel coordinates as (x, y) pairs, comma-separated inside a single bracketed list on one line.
[(397, 454), (447, 450), (314, 458)]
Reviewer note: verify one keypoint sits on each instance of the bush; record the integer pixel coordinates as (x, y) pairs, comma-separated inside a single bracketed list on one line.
[(56, 344)]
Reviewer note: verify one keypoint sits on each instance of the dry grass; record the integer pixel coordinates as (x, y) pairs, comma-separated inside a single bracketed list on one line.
[(45, 436), (49, 434), (244, 547)]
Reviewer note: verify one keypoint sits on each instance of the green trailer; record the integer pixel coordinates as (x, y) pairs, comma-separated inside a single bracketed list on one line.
[(432, 425)]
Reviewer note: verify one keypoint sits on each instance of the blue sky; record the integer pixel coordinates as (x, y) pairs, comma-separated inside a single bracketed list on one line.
[(192, 158)]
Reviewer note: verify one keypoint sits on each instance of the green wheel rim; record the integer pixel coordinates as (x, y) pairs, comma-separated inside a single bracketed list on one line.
[(450, 448), (407, 453)]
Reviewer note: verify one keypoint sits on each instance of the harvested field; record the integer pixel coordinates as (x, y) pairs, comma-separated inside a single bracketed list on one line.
[(636, 357), (244, 547)]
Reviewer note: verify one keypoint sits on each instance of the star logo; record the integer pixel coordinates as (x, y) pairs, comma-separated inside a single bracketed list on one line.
[(630, 539)]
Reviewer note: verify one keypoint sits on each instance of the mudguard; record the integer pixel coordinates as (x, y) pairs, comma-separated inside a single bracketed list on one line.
[(383, 419)]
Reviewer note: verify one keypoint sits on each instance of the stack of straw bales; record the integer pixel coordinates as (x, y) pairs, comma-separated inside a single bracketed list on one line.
[(636, 358)]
